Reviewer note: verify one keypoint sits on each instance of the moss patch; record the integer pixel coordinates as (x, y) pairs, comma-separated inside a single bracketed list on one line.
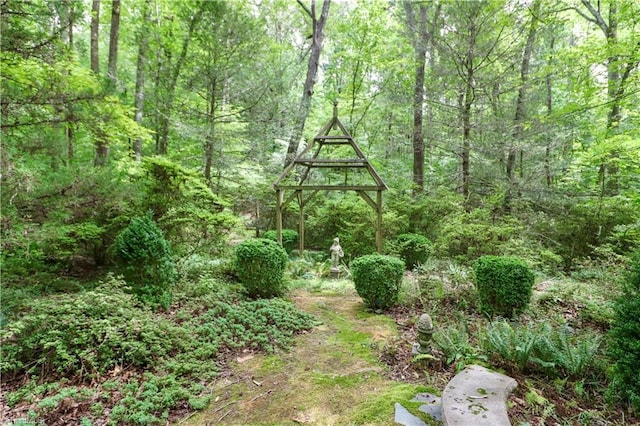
[(331, 377)]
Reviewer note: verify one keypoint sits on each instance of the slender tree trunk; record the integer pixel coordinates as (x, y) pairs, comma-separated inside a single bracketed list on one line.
[(617, 75), (95, 31), (140, 77), (312, 70), (520, 107), (419, 40), (209, 142), (67, 34), (166, 108), (549, 102), (112, 66)]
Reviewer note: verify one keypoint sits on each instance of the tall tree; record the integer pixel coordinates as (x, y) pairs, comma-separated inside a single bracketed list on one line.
[(114, 34), (619, 69), (143, 44), (421, 38), (168, 70), (95, 32), (317, 37), (519, 116)]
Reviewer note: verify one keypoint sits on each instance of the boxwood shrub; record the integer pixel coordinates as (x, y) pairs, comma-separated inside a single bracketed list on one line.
[(414, 249), (289, 238), (260, 265), (377, 279), (504, 285), (146, 261), (624, 346)]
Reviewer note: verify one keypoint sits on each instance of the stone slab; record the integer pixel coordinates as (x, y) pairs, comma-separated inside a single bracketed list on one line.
[(405, 418), (477, 396)]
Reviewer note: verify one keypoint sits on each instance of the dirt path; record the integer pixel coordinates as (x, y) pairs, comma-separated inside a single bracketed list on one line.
[(330, 377)]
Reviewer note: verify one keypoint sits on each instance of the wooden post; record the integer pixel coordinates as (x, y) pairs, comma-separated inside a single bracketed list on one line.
[(279, 196), (379, 222), (301, 226)]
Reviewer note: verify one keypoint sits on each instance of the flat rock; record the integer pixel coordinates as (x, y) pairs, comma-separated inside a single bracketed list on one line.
[(405, 418), (477, 396)]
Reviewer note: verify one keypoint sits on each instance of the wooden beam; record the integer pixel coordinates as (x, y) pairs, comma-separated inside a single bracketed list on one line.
[(331, 187), (368, 199)]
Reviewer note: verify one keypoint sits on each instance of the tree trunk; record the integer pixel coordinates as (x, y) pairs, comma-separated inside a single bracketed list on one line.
[(549, 102), (616, 82), (162, 140), (209, 142), (112, 67), (95, 31), (420, 41), (520, 107), (140, 77), (312, 70)]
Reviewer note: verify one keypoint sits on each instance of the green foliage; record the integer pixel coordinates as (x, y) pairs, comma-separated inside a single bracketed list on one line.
[(264, 324), (624, 347), (454, 343), (541, 347), (147, 261), (190, 214), (414, 249), (349, 218), (289, 238), (377, 279), (504, 284), (88, 333), (261, 264)]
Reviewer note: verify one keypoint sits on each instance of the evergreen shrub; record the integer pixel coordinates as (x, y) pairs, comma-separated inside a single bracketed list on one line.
[(377, 279), (289, 238), (90, 332), (504, 284), (624, 347), (148, 264), (260, 265), (414, 249)]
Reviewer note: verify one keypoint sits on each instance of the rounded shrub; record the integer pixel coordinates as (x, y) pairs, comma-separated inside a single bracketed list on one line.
[(260, 265), (289, 238), (147, 262), (624, 346), (414, 249), (504, 284), (377, 279)]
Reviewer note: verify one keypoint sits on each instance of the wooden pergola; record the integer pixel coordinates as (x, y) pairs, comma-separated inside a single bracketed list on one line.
[(333, 150)]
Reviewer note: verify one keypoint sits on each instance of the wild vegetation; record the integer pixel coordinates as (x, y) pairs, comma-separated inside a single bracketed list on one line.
[(140, 141)]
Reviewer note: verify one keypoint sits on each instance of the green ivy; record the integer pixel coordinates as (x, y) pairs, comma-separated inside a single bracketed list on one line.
[(504, 284), (377, 279)]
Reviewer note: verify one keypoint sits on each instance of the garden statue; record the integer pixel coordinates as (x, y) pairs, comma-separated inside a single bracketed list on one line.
[(425, 331), (336, 254)]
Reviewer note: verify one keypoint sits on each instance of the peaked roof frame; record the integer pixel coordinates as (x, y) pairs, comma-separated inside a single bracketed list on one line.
[(313, 161)]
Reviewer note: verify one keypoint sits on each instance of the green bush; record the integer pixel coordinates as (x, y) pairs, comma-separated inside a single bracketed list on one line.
[(289, 238), (260, 264), (377, 279), (414, 249), (89, 332), (504, 285), (147, 261), (542, 347), (624, 347)]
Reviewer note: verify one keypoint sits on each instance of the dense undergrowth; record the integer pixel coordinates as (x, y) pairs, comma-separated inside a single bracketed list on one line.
[(81, 344)]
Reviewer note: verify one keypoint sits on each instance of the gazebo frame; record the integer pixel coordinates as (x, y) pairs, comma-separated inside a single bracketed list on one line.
[(322, 139)]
